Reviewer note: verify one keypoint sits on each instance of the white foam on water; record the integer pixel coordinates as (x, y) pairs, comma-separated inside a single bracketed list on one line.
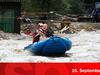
[(86, 48)]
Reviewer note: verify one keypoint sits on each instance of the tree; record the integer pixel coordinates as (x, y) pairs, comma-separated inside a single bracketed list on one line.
[(73, 6), (26, 5), (61, 6)]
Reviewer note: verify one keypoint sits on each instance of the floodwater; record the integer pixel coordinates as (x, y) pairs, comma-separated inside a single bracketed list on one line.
[(85, 48)]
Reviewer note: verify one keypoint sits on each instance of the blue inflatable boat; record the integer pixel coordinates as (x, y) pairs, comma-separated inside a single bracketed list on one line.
[(52, 46)]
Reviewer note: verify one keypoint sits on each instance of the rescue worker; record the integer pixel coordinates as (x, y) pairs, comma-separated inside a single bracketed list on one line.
[(41, 29)]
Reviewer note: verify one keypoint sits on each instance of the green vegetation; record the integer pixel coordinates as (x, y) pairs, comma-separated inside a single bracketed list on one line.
[(62, 6)]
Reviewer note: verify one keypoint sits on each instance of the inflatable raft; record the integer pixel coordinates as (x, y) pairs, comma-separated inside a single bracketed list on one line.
[(52, 46)]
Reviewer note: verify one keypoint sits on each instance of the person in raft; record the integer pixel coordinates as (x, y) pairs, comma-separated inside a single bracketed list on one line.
[(42, 28)]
